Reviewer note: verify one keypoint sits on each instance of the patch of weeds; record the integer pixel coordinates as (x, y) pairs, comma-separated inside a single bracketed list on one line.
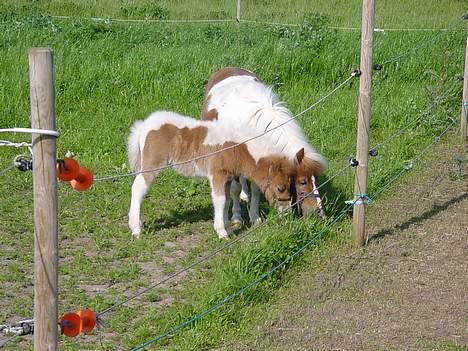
[(460, 171), (148, 11), (311, 34), (124, 274), (213, 33), (153, 296), (153, 11), (221, 14)]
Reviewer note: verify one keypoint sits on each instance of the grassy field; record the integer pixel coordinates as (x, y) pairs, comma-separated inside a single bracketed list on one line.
[(109, 74)]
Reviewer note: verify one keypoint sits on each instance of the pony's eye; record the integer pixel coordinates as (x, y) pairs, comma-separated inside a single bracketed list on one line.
[(302, 181)]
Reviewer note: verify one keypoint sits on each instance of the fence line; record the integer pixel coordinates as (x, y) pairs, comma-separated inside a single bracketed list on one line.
[(110, 20), (415, 159), (239, 238), (400, 131), (420, 44), (291, 256), (246, 287)]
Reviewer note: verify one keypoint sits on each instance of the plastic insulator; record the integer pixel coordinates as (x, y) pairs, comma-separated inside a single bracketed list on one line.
[(23, 164), (353, 162)]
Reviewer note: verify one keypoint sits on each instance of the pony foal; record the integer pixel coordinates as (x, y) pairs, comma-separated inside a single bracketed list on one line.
[(167, 138)]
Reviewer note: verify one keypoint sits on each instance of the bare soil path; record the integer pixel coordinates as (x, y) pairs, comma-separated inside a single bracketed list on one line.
[(406, 290)]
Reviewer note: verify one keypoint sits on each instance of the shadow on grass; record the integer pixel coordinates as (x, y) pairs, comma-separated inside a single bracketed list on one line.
[(333, 198), (177, 217), (419, 218)]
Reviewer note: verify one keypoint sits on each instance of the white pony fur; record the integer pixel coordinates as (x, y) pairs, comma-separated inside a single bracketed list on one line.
[(218, 132), (246, 101)]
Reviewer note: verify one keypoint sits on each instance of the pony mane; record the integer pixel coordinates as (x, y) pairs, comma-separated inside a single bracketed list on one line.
[(245, 100)]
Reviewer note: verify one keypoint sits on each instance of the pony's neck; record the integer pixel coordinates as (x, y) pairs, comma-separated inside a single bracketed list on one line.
[(256, 173)]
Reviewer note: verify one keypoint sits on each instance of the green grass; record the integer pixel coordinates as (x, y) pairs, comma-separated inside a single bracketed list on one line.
[(110, 74)]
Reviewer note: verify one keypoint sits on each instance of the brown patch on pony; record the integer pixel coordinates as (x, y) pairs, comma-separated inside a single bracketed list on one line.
[(211, 115), (167, 143), (170, 143), (214, 79)]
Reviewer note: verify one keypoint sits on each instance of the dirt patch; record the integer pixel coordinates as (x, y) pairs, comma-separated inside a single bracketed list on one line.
[(406, 290)]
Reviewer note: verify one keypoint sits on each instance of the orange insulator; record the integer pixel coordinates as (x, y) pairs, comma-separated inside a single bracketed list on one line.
[(83, 181), (88, 320), (70, 324), (67, 169)]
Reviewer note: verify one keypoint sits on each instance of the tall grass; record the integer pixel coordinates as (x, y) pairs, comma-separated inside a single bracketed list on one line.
[(109, 74)]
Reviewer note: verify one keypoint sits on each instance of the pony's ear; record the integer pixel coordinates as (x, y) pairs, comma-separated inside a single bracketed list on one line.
[(300, 155)]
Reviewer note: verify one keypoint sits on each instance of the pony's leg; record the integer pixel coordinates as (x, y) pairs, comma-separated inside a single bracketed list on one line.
[(220, 189), (254, 204), (245, 194), (140, 187), (236, 220), (227, 203)]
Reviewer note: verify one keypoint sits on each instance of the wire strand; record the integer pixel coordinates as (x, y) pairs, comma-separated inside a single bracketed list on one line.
[(31, 131), (175, 164), (6, 169), (130, 20), (420, 45), (218, 250), (415, 159), (400, 131), (13, 144), (287, 260), (246, 287)]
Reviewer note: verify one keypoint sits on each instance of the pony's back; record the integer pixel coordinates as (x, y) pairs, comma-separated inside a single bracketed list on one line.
[(244, 100)]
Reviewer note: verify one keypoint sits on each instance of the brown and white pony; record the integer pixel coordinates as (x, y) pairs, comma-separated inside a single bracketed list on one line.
[(239, 96), (166, 138)]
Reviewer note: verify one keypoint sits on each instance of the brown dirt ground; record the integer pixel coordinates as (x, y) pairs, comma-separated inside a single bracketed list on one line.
[(406, 290)]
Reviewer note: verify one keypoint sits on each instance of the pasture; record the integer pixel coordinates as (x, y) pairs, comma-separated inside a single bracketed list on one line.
[(111, 73)]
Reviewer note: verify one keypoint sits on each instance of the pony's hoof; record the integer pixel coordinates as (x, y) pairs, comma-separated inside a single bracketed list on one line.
[(236, 224), (136, 234), (223, 234), (223, 237), (256, 221)]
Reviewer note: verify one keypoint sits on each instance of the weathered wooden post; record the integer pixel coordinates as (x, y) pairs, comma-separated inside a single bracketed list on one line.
[(238, 12), (364, 111), (42, 95), (464, 113)]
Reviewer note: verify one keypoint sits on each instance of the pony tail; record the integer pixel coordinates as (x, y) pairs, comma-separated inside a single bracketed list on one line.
[(133, 146)]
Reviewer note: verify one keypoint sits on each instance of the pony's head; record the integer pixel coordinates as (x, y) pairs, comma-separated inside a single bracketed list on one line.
[(304, 187), (276, 188)]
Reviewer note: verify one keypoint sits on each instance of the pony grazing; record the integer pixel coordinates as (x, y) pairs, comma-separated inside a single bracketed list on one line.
[(167, 138), (238, 95)]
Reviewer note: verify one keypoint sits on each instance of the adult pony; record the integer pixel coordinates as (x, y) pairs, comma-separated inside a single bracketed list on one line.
[(167, 138), (238, 95)]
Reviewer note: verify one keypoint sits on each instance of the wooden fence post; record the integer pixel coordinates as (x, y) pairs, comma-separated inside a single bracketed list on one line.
[(364, 111), (42, 95), (464, 113), (238, 12)]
